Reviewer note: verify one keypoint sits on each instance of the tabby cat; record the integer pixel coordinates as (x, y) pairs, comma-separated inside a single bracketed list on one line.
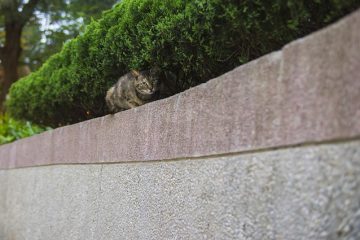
[(132, 90)]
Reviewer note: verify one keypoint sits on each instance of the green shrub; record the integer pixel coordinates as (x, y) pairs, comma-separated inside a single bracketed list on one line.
[(11, 130), (192, 41)]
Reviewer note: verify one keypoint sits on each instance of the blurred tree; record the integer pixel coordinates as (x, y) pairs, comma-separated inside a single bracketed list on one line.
[(14, 16), (32, 30)]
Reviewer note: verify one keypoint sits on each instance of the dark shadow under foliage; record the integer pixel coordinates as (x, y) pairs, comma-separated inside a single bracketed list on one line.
[(192, 41)]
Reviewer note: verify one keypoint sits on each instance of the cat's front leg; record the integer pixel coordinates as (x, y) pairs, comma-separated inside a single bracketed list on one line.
[(137, 101), (133, 104)]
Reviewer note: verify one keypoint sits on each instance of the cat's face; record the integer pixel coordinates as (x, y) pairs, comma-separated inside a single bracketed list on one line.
[(146, 84)]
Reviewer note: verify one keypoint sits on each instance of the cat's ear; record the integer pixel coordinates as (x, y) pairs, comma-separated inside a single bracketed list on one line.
[(135, 73)]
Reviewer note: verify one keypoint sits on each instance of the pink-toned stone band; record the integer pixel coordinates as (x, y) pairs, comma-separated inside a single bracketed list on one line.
[(307, 92)]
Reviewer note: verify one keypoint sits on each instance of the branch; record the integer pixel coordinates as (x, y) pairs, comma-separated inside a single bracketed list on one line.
[(28, 11)]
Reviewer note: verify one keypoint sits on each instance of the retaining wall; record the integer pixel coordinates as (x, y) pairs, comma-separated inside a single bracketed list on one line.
[(270, 150)]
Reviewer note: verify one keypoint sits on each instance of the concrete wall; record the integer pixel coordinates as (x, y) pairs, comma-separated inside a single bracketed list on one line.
[(297, 193), (270, 150)]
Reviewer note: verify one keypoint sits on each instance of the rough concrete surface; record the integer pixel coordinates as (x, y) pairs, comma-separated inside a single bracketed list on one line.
[(305, 193), (307, 92)]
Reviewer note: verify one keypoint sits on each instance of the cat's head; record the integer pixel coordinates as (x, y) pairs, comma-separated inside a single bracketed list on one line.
[(146, 82)]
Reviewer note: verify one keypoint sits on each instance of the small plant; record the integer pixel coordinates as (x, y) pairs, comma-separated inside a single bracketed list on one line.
[(11, 129)]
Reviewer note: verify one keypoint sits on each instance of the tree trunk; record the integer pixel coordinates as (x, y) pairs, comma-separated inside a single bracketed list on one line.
[(10, 58)]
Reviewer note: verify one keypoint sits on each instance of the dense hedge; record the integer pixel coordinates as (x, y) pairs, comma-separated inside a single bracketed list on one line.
[(190, 40)]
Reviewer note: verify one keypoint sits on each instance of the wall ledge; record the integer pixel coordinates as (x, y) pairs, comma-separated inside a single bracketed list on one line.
[(307, 92)]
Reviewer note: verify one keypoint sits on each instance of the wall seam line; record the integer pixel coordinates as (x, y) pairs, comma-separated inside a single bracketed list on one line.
[(210, 156)]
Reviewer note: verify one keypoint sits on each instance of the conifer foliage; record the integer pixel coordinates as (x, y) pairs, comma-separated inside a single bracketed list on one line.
[(191, 41)]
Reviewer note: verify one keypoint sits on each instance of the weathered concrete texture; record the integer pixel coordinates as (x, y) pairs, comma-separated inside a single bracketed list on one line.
[(298, 193), (308, 92)]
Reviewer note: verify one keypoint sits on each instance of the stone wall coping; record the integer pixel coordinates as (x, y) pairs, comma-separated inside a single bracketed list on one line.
[(309, 91)]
